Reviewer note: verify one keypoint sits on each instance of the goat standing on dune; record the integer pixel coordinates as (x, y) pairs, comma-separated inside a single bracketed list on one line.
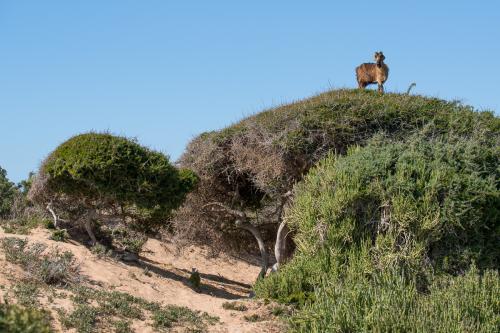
[(369, 73)]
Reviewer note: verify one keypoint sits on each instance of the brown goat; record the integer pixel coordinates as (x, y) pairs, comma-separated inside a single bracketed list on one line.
[(369, 73)]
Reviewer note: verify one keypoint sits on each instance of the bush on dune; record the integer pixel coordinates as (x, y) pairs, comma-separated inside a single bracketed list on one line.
[(397, 236), (100, 177), (248, 169)]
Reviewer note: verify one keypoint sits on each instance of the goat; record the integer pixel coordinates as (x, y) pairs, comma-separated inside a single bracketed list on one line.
[(369, 73)]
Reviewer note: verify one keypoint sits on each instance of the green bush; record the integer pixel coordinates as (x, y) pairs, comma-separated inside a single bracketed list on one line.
[(385, 234), (353, 301), (60, 235), (23, 225), (114, 177), (99, 166), (94, 308), (15, 319), (7, 193)]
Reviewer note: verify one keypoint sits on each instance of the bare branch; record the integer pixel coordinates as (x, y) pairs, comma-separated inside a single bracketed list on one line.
[(242, 223), (262, 247), (54, 216)]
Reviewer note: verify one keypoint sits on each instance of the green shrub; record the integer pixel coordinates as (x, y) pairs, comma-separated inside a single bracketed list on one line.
[(236, 306), (122, 326), (24, 224), (26, 293), (385, 234), (168, 317), (388, 302), (128, 240), (103, 166), (93, 309), (84, 318), (106, 177), (7, 192), (253, 318), (60, 235), (101, 251), (15, 319)]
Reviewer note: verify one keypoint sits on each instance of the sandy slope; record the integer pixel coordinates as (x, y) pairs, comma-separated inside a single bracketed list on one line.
[(162, 275)]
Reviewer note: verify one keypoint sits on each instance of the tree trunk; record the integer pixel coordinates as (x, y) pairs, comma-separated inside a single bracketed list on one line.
[(54, 216), (87, 223), (280, 245), (241, 222), (262, 247), (280, 252)]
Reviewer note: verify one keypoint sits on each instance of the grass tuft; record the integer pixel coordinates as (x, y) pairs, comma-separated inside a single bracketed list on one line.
[(236, 306)]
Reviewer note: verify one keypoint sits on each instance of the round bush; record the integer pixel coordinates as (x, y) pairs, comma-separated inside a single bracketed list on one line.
[(100, 170), (253, 163)]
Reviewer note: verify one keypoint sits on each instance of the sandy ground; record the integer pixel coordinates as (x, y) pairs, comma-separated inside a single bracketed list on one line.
[(161, 275)]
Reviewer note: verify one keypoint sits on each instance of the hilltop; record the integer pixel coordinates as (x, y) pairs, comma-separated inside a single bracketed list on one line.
[(253, 165)]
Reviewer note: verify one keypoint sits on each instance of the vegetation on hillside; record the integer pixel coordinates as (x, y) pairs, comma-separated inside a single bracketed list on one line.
[(39, 265), (17, 213), (7, 193), (53, 274), (398, 236), (247, 170), (100, 177), (391, 203)]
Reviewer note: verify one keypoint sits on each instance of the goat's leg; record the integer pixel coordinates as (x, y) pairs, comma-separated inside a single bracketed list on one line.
[(380, 88)]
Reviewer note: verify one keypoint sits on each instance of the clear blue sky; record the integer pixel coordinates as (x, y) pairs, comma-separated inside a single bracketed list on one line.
[(165, 71)]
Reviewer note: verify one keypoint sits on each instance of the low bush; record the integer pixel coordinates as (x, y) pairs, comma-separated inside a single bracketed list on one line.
[(59, 235), (128, 240), (236, 306), (15, 319), (27, 293), (93, 308), (53, 267), (101, 251), (24, 224)]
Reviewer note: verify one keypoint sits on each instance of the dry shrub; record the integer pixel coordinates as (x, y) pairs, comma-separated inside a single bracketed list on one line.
[(50, 267)]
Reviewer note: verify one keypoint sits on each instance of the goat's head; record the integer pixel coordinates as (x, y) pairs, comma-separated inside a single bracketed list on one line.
[(379, 57)]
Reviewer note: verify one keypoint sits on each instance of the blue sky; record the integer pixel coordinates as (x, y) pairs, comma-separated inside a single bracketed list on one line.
[(165, 71)]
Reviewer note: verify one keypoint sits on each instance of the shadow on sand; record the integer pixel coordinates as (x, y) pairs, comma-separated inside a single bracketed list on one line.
[(218, 290)]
